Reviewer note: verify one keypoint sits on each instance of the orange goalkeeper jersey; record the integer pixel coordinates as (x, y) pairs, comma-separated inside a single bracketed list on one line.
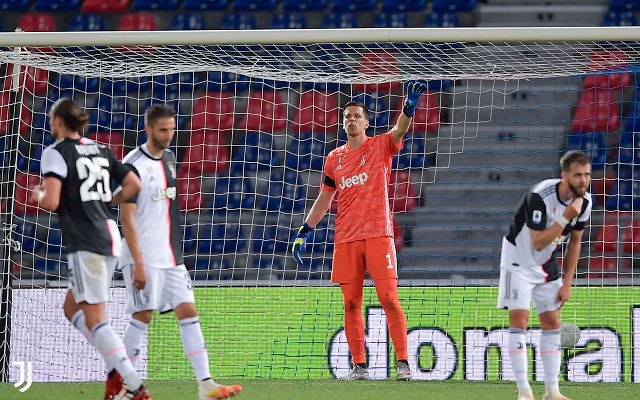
[(362, 179)]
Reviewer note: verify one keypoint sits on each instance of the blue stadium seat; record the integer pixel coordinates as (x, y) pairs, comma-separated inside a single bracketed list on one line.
[(391, 20), (53, 241), (187, 22), (378, 109), (307, 152), (173, 83), (55, 266), (25, 233), (304, 5), (620, 18), (218, 81), (238, 21), (289, 20), (188, 242), (221, 239), (255, 153), (56, 5), (14, 5), (442, 20), (340, 20), (403, 5), (628, 157), (112, 113), (155, 5), (270, 262), (354, 5), (592, 144), (255, 5), (125, 86), (285, 193), (269, 239), (202, 5), (621, 5), (322, 241), (84, 84), (412, 154), (625, 195), (214, 265), (63, 86), (233, 193), (87, 22), (453, 5)]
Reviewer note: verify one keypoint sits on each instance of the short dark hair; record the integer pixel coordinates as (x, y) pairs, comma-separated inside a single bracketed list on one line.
[(156, 112), (365, 110), (70, 113), (573, 156)]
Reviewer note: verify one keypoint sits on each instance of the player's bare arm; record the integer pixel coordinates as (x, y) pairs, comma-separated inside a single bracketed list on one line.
[(131, 185), (127, 215), (543, 238), (320, 207), (570, 265), (48, 193), (415, 90)]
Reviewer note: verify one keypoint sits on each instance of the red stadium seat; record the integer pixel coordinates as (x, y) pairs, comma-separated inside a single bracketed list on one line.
[(37, 23), (607, 241), (603, 267), (603, 60), (138, 22), (25, 115), (214, 110), (377, 63), (189, 192), (266, 112), (23, 203), (601, 187), (317, 113), (427, 116), (113, 140), (99, 6), (402, 196), (207, 154), (35, 80), (596, 111), (631, 238)]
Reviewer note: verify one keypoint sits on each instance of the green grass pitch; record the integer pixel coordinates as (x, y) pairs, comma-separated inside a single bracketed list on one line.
[(267, 389)]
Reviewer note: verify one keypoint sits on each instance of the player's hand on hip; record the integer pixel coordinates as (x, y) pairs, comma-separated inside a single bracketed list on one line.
[(574, 208), (300, 242), (139, 276), (414, 91)]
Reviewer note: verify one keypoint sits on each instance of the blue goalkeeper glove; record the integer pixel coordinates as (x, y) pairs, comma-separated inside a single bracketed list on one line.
[(415, 90), (300, 242)]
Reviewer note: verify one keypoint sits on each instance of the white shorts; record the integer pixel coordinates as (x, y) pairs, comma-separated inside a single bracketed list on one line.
[(90, 276), (166, 288), (515, 293)]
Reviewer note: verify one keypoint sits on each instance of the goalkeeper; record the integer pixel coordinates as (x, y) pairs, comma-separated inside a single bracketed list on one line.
[(360, 171)]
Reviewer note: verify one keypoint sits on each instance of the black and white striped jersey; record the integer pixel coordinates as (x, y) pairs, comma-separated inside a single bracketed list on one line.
[(87, 170), (157, 217), (539, 208)]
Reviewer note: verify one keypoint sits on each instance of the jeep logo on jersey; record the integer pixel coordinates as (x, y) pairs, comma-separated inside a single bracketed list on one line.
[(162, 193), (358, 179)]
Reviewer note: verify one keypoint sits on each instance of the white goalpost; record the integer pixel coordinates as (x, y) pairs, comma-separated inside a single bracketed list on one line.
[(257, 113)]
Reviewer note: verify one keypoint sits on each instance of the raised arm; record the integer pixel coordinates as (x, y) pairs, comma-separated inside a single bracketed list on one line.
[(415, 90)]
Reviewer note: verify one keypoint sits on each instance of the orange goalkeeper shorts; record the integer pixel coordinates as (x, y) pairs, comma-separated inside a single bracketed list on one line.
[(375, 255)]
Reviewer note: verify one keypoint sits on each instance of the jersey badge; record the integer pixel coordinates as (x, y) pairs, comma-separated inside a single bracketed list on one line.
[(537, 216)]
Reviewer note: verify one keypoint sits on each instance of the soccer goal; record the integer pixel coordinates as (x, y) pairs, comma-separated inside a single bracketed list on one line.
[(257, 112)]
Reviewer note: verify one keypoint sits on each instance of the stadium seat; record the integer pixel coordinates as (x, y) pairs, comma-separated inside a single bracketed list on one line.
[(322, 241), (340, 20), (219, 81), (254, 5), (210, 267), (442, 20), (14, 5), (53, 241), (307, 152), (620, 18), (206, 154), (427, 116), (112, 113), (631, 238), (605, 63), (138, 22), (413, 153), (270, 239), (453, 5), (37, 23), (377, 63), (221, 239), (304, 5), (233, 193), (214, 111), (403, 5), (607, 240), (266, 112), (189, 191), (255, 153), (124, 87), (596, 111), (289, 20), (629, 5), (238, 21), (402, 196), (87, 22), (204, 5), (25, 115), (317, 113), (188, 22), (622, 196), (391, 20), (113, 140), (154, 5), (628, 156), (378, 109), (267, 262), (188, 241), (170, 86), (602, 267), (285, 193), (601, 187), (56, 5), (34, 80), (354, 5), (102, 6), (23, 203), (592, 144), (25, 233)]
